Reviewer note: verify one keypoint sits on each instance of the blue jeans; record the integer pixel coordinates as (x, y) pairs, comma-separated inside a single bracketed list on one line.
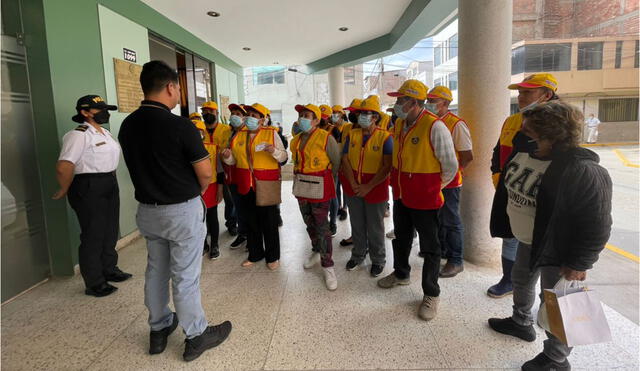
[(175, 235), (509, 248), (451, 231)]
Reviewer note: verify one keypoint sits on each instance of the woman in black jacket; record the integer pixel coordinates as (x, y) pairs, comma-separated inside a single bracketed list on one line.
[(556, 200)]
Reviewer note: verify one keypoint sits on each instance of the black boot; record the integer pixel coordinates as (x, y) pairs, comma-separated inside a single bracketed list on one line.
[(504, 287)]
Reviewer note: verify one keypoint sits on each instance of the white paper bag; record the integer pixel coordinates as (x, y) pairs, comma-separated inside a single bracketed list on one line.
[(575, 316)]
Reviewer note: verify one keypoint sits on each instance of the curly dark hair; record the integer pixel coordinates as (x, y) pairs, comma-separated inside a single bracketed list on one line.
[(556, 121)]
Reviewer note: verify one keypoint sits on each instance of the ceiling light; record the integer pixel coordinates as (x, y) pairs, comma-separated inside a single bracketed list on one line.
[(213, 14), (343, 29), (246, 48), (292, 69)]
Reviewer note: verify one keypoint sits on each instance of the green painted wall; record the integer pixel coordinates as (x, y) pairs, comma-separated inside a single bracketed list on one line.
[(116, 33), (64, 48)]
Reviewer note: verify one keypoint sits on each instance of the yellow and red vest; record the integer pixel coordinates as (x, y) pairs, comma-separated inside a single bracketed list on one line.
[(210, 196), (416, 174), (265, 167), (451, 120), (511, 126), (312, 159), (366, 159), (220, 136), (384, 121)]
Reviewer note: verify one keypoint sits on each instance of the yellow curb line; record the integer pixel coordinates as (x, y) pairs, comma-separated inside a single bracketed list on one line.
[(626, 254), (609, 144), (624, 159)]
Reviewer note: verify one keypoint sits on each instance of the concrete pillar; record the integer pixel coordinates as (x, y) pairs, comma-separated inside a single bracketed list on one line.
[(484, 69), (336, 86)]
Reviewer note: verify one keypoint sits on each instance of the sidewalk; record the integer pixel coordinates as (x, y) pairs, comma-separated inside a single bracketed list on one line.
[(286, 320)]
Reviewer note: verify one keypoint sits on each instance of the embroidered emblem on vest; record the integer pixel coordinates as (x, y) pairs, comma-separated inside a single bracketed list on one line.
[(375, 148), (415, 140)]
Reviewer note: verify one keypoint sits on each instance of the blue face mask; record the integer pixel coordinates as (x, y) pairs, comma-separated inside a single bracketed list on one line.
[(235, 121), (364, 120), (252, 123), (397, 109), (304, 124)]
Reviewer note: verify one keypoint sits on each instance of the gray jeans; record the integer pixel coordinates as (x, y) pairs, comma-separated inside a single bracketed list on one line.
[(367, 230), (524, 296), (175, 235)]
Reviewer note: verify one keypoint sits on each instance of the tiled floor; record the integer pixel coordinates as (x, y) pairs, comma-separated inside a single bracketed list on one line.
[(285, 320)]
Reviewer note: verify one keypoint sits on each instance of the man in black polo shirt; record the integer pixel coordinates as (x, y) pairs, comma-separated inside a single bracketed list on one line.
[(170, 168)]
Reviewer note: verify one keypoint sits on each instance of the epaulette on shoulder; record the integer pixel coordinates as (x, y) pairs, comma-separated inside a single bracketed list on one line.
[(82, 128)]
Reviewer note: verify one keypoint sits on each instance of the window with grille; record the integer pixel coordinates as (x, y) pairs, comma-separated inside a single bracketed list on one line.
[(590, 56), (618, 109)]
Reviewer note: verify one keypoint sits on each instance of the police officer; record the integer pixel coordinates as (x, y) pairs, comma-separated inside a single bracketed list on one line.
[(86, 173)]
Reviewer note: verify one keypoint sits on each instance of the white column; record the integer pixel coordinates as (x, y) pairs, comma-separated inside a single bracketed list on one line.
[(484, 69), (336, 86)]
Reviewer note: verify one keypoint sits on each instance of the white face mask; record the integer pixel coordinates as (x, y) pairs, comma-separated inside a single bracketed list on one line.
[(432, 107)]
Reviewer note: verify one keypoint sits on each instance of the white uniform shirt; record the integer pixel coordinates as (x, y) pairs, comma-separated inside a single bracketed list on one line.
[(90, 151)]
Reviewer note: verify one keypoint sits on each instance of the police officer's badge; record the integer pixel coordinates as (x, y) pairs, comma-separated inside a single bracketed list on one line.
[(375, 148), (415, 140)]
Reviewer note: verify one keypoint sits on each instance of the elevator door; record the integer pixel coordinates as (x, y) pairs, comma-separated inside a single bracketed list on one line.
[(24, 249)]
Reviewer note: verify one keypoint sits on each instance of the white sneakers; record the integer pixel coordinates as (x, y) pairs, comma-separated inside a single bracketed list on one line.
[(312, 260), (329, 273), (330, 278)]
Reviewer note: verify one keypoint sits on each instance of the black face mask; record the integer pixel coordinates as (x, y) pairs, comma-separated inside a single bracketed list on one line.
[(353, 117), (209, 118), (101, 117), (525, 143)]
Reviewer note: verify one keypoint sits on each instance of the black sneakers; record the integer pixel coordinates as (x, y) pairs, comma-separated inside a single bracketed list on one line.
[(544, 363), (508, 326), (238, 242), (210, 338), (214, 252), (342, 214), (158, 339), (352, 265), (100, 290), (376, 270)]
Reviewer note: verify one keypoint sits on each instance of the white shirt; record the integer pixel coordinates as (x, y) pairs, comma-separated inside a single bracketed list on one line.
[(89, 150), (523, 175), (443, 149), (593, 122), (461, 137), (280, 154)]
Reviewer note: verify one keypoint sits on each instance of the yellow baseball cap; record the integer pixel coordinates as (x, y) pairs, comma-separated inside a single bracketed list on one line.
[(210, 104), (195, 116), (355, 103), (371, 103), (234, 106), (337, 108), (411, 88), (264, 111), (200, 126), (537, 80), (309, 107), (325, 110), (440, 92)]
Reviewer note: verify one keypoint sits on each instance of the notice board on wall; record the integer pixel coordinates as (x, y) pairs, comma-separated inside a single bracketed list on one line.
[(128, 88), (224, 108)]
